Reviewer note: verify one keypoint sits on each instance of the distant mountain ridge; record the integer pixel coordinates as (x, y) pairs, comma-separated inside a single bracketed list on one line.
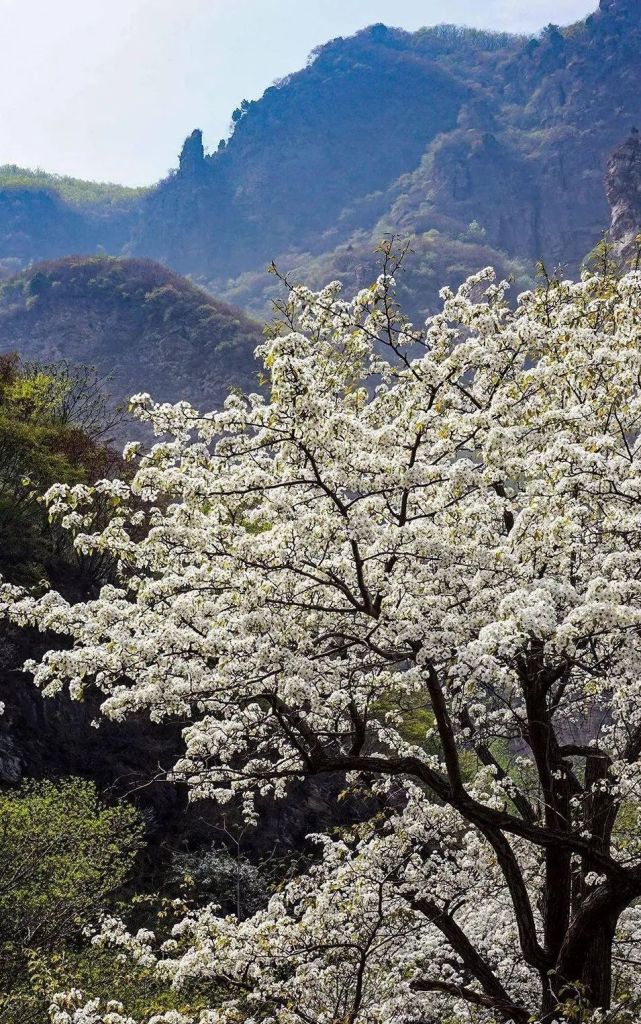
[(95, 195), (481, 147), (44, 216)]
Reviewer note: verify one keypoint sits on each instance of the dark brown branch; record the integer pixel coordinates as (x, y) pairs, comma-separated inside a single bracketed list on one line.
[(479, 815), (508, 1010), (445, 731), (470, 957), (508, 517), (487, 758)]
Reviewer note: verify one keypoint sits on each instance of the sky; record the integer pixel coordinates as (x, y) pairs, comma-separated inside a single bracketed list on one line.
[(108, 89)]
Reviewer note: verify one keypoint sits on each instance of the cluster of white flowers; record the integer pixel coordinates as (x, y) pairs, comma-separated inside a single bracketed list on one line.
[(72, 1008), (419, 559)]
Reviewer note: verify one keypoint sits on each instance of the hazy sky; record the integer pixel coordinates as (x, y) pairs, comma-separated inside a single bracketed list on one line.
[(108, 89)]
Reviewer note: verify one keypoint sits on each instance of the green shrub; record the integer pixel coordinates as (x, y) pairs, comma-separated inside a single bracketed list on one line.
[(64, 855)]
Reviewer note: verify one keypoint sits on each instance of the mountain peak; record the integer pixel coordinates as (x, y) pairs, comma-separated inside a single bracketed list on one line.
[(192, 156)]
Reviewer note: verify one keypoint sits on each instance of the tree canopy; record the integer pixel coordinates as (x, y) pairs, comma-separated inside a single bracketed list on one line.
[(436, 526)]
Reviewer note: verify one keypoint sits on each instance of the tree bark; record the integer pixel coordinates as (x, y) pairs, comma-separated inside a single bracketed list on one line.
[(596, 975)]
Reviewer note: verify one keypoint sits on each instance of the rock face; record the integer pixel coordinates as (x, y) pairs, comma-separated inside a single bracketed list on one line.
[(348, 125), (623, 189)]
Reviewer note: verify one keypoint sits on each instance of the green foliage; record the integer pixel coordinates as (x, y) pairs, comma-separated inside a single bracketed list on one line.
[(66, 858), (50, 421), (475, 232), (453, 41), (74, 191), (240, 111), (99, 972), (604, 259), (64, 855)]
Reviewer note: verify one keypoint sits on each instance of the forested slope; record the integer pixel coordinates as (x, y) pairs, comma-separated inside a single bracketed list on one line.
[(138, 323)]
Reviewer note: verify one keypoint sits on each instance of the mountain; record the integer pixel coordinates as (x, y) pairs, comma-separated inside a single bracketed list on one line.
[(309, 173), (482, 147), (135, 320)]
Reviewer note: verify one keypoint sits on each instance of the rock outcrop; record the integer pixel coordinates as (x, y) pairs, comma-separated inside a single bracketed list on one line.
[(191, 162), (623, 189)]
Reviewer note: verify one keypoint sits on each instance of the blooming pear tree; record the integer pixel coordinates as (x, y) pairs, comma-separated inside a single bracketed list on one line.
[(417, 562)]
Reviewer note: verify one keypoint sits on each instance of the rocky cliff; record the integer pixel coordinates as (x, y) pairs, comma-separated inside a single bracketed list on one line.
[(623, 189), (465, 141)]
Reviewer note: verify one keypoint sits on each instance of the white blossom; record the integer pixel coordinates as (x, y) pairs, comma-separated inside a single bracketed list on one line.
[(418, 562)]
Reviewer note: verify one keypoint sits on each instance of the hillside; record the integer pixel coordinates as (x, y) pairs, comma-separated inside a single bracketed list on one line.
[(49, 215), (481, 147), (100, 196), (133, 319)]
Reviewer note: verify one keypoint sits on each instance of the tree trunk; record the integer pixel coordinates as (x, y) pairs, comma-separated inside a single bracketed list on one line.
[(596, 975), (587, 962)]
